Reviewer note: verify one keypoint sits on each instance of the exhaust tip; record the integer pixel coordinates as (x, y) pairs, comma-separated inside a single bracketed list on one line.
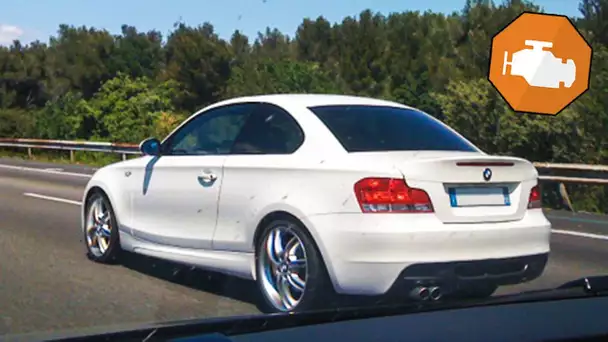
[(435, 293), (425, 293), (420, 293)]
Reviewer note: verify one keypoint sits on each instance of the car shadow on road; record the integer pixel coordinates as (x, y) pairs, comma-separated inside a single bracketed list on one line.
[(222, 285), (198, 279)]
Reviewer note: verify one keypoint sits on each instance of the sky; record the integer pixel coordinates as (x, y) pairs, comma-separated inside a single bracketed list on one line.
[(39, 19)]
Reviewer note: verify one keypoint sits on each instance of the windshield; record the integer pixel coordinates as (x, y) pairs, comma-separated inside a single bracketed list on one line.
[(382, 128), (175, 160)]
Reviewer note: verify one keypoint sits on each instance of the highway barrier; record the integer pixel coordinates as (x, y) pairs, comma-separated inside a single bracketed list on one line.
[(71, 146), (597, 172)]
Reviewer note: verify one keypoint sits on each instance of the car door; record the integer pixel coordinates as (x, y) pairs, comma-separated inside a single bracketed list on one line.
[(260, 167), (177, 201)]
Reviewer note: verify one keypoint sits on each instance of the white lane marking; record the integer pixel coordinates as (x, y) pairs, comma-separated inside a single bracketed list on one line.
[(50, 198), (555, 231), (580, 234), (51, 171)]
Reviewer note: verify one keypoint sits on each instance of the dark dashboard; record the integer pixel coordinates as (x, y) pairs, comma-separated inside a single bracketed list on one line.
[(535, 321), (554, 315)]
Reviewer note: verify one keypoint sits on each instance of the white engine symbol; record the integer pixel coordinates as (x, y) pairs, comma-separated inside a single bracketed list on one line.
[(540, 68)]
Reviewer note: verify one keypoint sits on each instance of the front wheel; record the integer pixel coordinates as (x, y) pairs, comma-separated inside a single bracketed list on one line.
[(101, 234), (290, 272)]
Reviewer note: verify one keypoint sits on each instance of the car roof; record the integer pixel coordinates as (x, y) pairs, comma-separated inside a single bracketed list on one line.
[(310, 100)]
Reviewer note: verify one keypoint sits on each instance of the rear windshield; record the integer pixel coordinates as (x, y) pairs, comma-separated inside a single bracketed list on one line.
[(361, 128)]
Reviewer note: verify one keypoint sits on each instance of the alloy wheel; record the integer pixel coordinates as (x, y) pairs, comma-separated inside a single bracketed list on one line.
[(99, 227), (282, 260)]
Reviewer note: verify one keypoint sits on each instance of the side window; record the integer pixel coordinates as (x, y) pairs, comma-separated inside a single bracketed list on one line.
[(210, 133), (269, 130)]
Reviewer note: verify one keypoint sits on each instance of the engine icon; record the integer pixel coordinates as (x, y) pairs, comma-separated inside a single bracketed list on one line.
[(540, 68), (546, 74)]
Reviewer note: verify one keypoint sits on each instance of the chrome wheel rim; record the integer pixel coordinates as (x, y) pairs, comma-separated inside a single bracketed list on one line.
[(99, 227), (284, 269)]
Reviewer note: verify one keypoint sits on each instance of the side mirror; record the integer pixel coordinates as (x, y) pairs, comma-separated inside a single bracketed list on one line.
[(150, 147)]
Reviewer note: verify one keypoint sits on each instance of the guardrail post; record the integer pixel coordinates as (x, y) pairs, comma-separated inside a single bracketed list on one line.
[(72, 156), (124, 156), (29, 152), (564, 193)]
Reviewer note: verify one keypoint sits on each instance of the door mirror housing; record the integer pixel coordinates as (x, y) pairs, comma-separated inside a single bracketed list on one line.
[(150, 147)]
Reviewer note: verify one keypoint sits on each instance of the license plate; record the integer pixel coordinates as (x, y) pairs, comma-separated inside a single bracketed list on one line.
[(479, 196)]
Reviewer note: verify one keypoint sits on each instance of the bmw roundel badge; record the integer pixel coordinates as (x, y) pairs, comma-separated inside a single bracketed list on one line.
[(487, 174)]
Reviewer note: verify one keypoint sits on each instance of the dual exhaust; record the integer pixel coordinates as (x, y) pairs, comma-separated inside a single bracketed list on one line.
[(426, 293)]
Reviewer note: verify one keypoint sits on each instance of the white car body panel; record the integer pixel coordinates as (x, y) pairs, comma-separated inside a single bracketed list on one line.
[(367, 262), (213, 227), (172, 207)]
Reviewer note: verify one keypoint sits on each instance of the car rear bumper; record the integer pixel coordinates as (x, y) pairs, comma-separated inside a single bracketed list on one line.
[(451, 276), (370, 254)]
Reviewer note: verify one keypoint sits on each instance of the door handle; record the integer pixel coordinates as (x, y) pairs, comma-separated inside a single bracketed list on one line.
[(208, 177)]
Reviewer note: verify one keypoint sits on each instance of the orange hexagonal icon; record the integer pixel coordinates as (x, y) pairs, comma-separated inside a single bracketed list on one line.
[(540, 63)]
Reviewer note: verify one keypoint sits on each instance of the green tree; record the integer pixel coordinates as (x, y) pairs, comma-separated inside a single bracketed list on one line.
[(128, 110), (268, 77), (86, 83)]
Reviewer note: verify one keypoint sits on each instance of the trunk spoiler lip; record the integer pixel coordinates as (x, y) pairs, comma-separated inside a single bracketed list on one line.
[(486, 164), (478, 160), (473, 161)]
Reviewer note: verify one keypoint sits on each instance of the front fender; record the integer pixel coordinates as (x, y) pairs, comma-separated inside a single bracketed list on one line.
[(107, 181)]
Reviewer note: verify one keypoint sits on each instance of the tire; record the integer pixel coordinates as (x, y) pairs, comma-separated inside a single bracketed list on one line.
[(317, 290), (95, 236)]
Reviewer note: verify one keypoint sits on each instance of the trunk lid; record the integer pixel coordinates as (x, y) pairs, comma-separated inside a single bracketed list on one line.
[(471, 187)]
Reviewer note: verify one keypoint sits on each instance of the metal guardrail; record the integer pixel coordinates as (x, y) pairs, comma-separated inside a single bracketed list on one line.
[(126, 149), (132, 149), (70, 146)]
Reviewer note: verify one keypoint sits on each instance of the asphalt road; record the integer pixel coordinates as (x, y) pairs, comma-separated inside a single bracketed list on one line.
[(47, 283)]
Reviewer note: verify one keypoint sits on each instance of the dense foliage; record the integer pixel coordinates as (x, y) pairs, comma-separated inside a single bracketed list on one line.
[(86, 83)]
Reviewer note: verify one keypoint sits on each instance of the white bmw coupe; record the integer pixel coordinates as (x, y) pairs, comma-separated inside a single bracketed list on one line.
[(317, 195)]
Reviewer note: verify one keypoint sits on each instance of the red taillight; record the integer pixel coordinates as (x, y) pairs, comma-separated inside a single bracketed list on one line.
[(391, 195), (535, 200)]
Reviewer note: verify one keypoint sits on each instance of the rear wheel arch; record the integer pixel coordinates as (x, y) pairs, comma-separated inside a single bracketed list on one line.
[(276, 215), (284, 215)]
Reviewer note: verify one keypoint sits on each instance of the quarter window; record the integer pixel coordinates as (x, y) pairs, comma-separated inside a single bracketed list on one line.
[(269, 130)]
